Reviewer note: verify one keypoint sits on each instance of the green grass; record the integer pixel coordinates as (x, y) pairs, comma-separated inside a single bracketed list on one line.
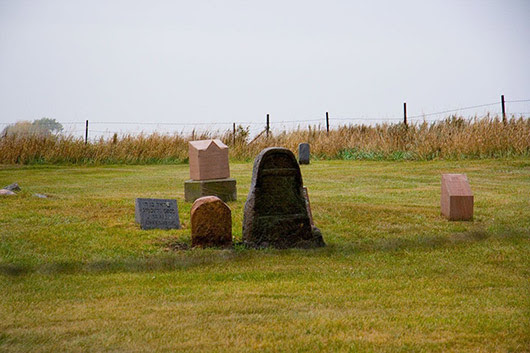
[(77, 275)]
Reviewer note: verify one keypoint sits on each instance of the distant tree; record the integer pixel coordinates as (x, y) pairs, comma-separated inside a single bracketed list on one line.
[(41, 127), (48, 125)]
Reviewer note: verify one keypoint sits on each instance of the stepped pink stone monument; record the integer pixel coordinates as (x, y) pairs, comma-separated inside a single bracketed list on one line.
[(457, 197), (208, 160), (209, 171)]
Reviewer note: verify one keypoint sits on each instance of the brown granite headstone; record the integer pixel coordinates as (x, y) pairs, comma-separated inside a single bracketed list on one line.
[(457, 197), (211, 223), (275, 213)]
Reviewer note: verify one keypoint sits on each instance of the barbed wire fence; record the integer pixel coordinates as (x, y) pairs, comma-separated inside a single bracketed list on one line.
[(258, 129)]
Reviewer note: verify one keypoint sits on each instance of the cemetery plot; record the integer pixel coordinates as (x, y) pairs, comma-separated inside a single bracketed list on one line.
[(77, 274)]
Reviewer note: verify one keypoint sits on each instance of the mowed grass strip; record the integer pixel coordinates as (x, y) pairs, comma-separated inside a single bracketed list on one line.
[(76, 273)]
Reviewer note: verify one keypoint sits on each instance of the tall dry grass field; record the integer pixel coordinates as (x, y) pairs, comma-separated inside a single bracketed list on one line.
[(452, 138)]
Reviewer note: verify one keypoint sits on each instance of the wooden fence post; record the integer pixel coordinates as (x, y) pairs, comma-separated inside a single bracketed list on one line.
[(86, 132), (327, 123), (405, 113), (503, 109), (268, 125)]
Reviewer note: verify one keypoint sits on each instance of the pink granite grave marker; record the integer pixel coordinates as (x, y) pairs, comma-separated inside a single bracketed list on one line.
[(208, 160), (457, 197)]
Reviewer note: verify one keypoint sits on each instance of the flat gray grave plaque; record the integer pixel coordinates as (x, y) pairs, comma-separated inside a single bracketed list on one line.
[(157, 214)]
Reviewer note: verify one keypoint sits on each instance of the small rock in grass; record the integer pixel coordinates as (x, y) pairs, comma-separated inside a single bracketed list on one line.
[(41, 196), (6, 192), (12, 187)]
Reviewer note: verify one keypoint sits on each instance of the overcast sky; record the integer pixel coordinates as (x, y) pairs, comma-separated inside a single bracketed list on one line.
[(225, 61)]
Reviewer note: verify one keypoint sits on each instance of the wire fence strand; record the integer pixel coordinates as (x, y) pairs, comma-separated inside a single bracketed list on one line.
[(255, 124), (518, 101)]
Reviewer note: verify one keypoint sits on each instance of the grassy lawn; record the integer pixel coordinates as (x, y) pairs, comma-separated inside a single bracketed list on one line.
[(77, 275)]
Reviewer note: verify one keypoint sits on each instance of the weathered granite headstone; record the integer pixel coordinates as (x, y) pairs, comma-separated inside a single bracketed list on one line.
[(211, 223), (157, 213), (457, 197), (209, 171), (303, 153), (275, 211)]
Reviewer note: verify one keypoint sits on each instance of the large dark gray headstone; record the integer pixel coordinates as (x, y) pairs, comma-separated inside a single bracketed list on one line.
[(157, 214), (303, 153), (275, 212)]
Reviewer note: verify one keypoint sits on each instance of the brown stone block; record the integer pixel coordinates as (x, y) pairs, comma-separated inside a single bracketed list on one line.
[(457, 198), (211, 223), (208, 160)]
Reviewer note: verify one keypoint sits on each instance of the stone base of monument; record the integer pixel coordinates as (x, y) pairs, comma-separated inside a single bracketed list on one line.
[(225, 189)]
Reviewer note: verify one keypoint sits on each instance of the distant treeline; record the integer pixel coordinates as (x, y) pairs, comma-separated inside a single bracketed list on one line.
[(452, 138)]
